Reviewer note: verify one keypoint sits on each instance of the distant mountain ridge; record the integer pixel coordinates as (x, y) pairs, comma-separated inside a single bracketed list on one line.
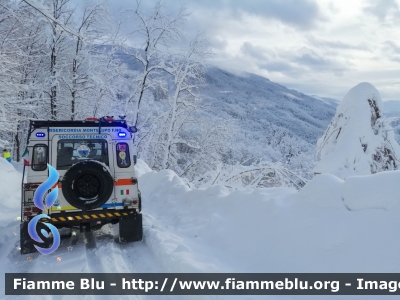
[(332, 102), (257, 102), (257, 105), (392, 108)]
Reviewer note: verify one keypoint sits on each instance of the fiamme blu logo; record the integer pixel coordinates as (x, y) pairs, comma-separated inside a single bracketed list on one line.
[(36, 234)]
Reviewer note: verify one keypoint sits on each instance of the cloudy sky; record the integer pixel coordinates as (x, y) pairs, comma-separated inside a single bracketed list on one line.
[(318, 47)]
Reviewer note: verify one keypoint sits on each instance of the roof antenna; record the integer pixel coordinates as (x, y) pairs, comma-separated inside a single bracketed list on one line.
[(100, 120)]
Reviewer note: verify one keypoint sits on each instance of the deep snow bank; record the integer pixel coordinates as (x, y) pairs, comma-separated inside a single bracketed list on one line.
[(268, 230), (324, 191), (10, 190), (377, 191), (381, 191)]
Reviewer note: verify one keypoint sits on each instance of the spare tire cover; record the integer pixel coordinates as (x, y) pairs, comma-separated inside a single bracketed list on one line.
[(87, 185)]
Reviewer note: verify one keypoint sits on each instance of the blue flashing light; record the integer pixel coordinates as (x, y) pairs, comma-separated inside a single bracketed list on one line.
[(40, 134), (121, 134)]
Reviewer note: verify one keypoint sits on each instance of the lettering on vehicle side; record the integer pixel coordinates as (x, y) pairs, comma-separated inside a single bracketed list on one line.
[(82, 136), (83, 130)]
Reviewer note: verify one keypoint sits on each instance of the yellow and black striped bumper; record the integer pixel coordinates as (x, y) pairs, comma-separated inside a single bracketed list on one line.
[(90, 216)]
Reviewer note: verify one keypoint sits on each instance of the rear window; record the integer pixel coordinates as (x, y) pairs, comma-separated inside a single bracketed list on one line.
[(39, 157), (123, 157), (70, 152)]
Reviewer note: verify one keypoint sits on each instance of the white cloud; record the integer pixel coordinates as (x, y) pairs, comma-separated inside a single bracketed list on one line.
[(316, 46)]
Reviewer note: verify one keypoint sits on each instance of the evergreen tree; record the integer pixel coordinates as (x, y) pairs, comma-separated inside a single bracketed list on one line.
[(358, 140)]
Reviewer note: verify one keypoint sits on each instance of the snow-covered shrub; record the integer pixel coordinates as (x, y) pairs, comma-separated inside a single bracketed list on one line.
[(261, 175), (358, 140)]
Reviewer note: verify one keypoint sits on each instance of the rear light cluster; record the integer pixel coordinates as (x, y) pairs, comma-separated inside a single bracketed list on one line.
[(129, 201), (31, 186), (28, 211)]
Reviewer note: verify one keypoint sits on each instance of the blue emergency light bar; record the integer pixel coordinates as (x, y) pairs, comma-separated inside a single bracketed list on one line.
[(121, 134), (40, 134)]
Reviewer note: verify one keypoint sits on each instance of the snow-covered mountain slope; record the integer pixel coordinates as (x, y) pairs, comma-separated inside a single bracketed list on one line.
[(259, 106), (332, 102), (256, 102), (330, 225), (392, 108)]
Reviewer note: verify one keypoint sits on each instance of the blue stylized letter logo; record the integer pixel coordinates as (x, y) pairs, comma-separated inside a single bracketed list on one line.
[(38, 201)]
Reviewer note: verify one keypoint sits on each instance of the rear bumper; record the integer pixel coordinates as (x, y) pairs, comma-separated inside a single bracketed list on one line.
[(104, 216)]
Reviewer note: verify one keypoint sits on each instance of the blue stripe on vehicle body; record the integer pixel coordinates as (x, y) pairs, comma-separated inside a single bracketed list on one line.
[(111, 205)]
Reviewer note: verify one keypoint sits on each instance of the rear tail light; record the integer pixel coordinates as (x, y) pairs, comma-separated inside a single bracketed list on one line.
[(129, 201), (27, 209), (29, 186), (134, 180), (35, 209), (27, 213)]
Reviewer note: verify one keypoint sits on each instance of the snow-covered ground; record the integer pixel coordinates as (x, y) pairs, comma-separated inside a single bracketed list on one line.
[(214, 230)]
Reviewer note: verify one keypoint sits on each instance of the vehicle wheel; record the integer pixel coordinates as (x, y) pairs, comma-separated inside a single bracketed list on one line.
[(131, 229), (87, 185)]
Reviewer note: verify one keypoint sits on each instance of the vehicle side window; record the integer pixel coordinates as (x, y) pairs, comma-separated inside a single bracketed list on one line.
[(123, 157), (39, 158)]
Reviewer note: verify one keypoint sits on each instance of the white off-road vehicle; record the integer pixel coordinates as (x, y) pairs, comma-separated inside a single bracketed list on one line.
[(97, 183)]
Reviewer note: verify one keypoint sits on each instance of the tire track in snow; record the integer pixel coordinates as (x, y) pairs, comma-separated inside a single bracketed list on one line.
[(11, 259), (112, 257)]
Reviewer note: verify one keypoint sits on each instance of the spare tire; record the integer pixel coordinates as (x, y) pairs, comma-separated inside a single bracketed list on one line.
[(87, 185)]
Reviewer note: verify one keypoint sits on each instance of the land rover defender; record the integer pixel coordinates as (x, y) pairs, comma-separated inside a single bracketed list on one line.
[(97, 183)]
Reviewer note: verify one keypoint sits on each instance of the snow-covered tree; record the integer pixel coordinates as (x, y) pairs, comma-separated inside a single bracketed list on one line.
[(89, 59), (54, 65), (154, 34), (21, 59), (358, 140), (187, 71), (58, 49)]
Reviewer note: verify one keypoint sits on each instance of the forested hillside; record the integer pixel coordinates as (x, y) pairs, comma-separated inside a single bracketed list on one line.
[(193, 118)]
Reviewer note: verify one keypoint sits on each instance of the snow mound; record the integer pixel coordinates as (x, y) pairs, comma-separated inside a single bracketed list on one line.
[(380, 190), (5, 166), (10, 187), (358, 141), (324, 191), (141, 168)]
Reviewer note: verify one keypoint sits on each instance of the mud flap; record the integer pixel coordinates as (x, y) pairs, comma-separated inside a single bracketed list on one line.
[(27, 244), (90, 239), (131, 228)]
